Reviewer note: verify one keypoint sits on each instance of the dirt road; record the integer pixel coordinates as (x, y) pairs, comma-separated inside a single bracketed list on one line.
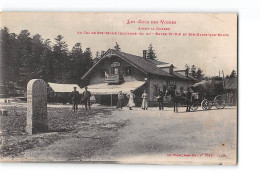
[(152, 136), (166, 137)]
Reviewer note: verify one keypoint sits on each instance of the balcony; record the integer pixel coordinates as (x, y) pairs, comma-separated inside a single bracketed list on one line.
[(114, 79)]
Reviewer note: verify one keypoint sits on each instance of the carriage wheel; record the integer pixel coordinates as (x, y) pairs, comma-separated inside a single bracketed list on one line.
[(194, 107), (220, 102), (206, 104)]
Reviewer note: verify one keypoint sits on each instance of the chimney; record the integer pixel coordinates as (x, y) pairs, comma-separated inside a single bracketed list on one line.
[(171, 69), (144, 54)]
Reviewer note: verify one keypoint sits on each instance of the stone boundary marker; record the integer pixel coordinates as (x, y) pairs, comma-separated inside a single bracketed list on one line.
[(36, 106)]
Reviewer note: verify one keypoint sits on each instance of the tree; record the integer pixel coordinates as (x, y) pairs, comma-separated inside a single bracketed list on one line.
[(187, 67), (193, 71), (76, 52), (233, 74), (48, 72), (97, 54), (77, 60), (102, 53), (38, 60), (5, 56), (25, 60), (151, 53), (88, 59), (200, 74), (60, 54), (117, 48)]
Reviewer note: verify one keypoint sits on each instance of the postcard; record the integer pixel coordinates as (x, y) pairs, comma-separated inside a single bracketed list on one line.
[(132, 88)]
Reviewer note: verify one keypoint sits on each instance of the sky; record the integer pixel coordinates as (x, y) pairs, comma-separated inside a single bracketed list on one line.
[(211, 53)]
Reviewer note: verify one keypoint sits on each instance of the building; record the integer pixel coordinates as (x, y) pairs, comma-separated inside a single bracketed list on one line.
[(118, 71), (231, 90), (60, 92)]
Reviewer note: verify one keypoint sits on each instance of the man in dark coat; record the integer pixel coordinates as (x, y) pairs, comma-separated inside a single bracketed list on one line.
[(86, 98), (120, 99), (160, 100), (188, 99), (172, 92), (74, 96)]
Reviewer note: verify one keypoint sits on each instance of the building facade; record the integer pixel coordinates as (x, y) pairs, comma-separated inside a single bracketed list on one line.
[(118, 71)]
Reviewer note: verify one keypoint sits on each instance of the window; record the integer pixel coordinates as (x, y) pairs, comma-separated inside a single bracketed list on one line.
[(172, 82), (115, 71)]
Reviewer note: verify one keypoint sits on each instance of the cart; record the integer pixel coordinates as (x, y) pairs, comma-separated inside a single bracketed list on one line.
[(208, 94)]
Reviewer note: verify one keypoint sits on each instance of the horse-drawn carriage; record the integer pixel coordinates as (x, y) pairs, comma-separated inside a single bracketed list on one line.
[(207, 94)]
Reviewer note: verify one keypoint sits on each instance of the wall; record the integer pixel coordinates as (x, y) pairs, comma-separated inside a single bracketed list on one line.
[(160, 82), (95, 77)]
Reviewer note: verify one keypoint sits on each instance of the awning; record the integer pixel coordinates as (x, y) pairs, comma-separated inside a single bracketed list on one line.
[(105, 88), (65, 88)]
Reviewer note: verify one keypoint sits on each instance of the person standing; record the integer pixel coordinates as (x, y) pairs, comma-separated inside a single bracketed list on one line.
[(145, 100), (120, 99), (188, 99), (86, 98), (160, 100), (131, 97), (172, 93), (74, 96)]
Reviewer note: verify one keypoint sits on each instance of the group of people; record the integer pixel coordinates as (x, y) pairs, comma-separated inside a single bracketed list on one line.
[(175, 97), (85, 99), (130, 96), (172, 92)]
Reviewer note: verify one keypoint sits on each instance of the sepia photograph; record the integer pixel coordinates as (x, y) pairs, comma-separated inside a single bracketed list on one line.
[(123, 88)]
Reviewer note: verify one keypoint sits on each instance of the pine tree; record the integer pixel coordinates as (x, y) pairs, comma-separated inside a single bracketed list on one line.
[(38, 62), (97, 54), (48, 74), (77, 59), (102, 53), (200, 74), (233, 74), (193, 70), (117, 48), (151, 53), (88, 59), (60, 55), (24, 55)]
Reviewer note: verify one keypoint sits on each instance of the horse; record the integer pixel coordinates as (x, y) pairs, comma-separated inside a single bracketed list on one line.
[(176, 98)]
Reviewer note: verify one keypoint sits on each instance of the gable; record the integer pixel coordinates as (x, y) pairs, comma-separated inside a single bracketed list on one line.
[(136, 61)]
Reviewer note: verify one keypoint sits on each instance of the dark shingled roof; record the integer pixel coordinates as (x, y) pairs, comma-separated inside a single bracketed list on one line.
[(156, 62), (231, 83), (145, 65)]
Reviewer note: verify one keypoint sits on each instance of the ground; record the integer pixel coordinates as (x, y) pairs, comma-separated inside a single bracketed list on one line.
[(119, 135)]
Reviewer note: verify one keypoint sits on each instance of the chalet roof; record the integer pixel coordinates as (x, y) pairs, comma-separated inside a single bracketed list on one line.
[(231, 83), (157, 62), (64, 88), (105, 88), (147, 66)]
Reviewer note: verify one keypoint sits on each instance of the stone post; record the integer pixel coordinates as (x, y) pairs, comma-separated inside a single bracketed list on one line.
[(36, 106)]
